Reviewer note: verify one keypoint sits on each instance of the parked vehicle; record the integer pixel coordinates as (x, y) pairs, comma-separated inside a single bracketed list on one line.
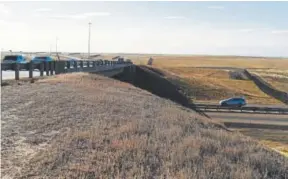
[(238, 101), (8, 59), (42, 59)]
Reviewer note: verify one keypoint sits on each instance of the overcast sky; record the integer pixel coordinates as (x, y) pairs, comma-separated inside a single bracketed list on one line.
[(228, 28)]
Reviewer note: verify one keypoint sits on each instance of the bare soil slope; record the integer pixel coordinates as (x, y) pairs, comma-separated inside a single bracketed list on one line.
[(87, 126)]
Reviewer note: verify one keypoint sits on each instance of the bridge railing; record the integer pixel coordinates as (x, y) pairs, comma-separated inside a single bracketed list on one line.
[(61, 66), (246, 109)]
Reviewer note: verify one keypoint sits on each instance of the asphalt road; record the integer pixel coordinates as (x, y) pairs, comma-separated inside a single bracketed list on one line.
[(250, 105), (250, 118)]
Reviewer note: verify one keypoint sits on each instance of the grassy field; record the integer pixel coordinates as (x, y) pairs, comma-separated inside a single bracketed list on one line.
[(276, 77), (87, 126), (213, 85), (219, 61)]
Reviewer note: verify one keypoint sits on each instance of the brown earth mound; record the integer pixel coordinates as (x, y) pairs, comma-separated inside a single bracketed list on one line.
[(87, 126)]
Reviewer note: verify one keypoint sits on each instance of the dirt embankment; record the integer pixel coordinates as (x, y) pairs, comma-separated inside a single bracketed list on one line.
[(88, 126), (155, 81), (267, 88)]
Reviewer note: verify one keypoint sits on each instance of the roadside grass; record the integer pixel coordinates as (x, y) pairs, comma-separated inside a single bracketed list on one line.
[(95, 127), (275, 77), (214, 84)]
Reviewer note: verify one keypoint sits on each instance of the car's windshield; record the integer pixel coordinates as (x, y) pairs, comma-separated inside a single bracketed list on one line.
[(10, 58)]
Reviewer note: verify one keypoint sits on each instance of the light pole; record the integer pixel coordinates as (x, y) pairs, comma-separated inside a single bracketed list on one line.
[(56, 44), (89, 35)]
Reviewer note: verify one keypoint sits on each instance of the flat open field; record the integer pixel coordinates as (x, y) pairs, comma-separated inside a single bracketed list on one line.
[(220, 61), (88, 126)]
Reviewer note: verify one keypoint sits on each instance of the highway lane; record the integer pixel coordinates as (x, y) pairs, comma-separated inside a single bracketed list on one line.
[(248, 105), (250, 118)]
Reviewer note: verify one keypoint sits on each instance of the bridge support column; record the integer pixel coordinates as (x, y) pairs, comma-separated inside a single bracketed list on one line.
[(47, 64), (31, 68)]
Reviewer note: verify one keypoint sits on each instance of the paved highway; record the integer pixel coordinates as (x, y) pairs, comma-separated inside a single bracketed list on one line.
[(250, 105), (248, 118)]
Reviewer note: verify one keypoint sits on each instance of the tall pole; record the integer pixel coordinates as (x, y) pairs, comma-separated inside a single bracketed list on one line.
[(89, 35), (56, 44)]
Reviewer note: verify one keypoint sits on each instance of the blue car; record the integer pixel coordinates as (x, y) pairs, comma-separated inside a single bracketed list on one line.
[(8, 59), (239, 102), (42, 59)]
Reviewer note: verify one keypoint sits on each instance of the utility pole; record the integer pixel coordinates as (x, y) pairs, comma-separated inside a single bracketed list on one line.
[(89, 35)]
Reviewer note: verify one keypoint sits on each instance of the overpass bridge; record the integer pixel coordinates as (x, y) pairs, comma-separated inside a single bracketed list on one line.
[(32, 69)]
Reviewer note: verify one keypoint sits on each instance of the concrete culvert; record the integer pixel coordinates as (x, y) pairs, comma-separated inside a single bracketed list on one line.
[(238, 75)]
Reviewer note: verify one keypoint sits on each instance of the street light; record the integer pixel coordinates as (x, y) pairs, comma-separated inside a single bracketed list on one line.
[(89, 35), (56, 44)]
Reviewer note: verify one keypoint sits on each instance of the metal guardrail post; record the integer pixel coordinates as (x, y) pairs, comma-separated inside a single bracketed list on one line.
[(51, 67), (94, 64), (16, 68), (75, 66), (31, 69), (41, 68), (47, 68), (68, 65), (81, 65)]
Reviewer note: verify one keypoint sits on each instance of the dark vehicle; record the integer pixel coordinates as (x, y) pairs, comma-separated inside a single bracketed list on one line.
[(14, 59)]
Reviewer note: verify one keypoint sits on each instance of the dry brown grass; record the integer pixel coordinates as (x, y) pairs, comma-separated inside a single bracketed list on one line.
[(87, 126), (219, 61), (275, 139), (275, 77), (213, 85)]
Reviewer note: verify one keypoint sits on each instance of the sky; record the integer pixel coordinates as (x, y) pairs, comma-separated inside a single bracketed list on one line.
[(213, 28)]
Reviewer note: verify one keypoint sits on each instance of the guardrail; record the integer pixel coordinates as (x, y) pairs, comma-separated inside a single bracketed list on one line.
[(57, 67), (230, 109)]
